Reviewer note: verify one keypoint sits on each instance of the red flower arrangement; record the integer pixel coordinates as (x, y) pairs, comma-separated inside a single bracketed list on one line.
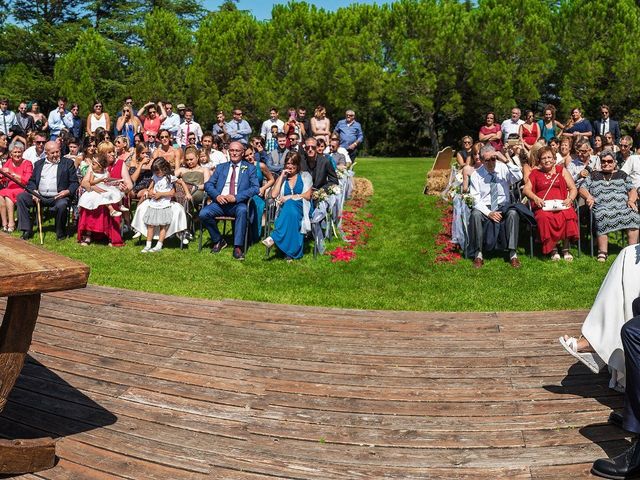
[(356, 231), (447, 251)]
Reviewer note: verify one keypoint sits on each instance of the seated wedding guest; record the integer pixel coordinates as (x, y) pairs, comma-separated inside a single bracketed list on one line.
[(36, 151), (265, 181), (600, 342), (319, 166), (585, 163), (340, 158), (212, 146), (230, 186), (167, 151), (138, 138), (56, 180), (609, 143), (627, 464), (194, 176), (109, 195), (489, 189), (613, 200), (565, 155), (631, 165), (99, 223), (491, 132), (275, 160), (85, 159), (292, 191), (598, 144), (463, 157), (140, 171), (257, 143), (18, 169), (547, 183), (475, 162)]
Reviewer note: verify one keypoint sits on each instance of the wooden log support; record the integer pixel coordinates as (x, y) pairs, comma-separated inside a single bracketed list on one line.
[(26, 456)]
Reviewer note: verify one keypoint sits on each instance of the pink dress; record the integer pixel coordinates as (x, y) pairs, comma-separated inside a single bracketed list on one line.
[(99, 222), (151, 126), (24, 170)]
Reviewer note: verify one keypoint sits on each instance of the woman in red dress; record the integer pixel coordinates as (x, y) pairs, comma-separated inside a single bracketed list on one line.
[(98, 223), (529, 131), (491, 132), (19, 169), (553, 182)]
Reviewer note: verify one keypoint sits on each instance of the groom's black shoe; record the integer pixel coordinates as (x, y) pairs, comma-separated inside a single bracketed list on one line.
[(626, 465), (615, 418)]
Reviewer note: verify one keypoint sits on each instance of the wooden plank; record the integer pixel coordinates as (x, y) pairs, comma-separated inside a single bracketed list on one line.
[(27, 269)]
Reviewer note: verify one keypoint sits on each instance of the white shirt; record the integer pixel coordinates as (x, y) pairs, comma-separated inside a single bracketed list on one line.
[(604, 126), (480, 185), (172, 124), (216, 157), (576, 166), (265, 130), (186, 129), (48, 185), (509, 126), (227, 183), (632, 168), (7, 120), (31, 154)]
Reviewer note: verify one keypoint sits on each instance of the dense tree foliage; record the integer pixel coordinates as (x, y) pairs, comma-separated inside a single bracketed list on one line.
[(418, 73)]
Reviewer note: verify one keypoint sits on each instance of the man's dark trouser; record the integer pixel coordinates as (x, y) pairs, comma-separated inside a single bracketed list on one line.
[(25, 202), (631, 342), (510, 220)]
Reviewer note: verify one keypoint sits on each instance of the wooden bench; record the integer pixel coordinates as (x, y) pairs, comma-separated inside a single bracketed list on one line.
[(27, 272)]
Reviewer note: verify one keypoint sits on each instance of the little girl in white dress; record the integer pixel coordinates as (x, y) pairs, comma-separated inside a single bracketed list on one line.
[(109, 194)]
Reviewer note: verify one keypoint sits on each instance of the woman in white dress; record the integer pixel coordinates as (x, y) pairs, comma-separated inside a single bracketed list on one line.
[(600, 342), (109, 193)]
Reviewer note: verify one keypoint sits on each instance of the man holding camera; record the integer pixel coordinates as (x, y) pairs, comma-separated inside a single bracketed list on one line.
[(493, 224)]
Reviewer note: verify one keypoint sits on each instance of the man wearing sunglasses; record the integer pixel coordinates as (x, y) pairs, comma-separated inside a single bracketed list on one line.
[(36, 151), (319, 166)]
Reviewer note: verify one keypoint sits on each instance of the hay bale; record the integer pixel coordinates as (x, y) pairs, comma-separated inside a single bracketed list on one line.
[(437, 181), (362, 187)]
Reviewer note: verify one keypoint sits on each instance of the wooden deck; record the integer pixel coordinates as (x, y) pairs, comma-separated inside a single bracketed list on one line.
[(144, 386)]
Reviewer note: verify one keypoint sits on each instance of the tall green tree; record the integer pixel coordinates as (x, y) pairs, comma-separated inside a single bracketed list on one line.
[(598, 43), (429, 64), (511, 55), (90, 71)]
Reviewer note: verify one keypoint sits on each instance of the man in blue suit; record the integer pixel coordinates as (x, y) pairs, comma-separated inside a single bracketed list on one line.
[(606, 124), (230, 186)]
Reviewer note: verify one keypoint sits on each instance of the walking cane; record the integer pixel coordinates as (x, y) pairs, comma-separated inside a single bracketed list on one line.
[(39, 221)]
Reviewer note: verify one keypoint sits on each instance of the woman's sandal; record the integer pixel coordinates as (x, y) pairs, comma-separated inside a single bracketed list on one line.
[(602, 256), (567, 256), (555, 257), (590, 359)]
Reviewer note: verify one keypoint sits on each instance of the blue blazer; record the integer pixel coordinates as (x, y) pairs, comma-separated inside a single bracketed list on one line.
[(247, 181), (614, 128), (67, 176)]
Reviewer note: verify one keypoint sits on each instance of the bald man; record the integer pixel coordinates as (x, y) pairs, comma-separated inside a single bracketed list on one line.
[(55, 179)]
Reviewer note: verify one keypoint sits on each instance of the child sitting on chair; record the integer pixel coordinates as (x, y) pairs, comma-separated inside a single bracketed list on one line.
[(103, 190)]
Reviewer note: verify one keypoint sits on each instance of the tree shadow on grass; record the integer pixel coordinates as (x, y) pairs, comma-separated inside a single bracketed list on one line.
[(42, 404)]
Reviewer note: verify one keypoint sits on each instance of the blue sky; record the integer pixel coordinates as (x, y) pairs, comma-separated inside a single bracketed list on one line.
[(261, 9)]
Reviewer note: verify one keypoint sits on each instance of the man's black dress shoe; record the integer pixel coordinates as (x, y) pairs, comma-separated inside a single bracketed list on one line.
[(61, 236), (218, 246), (624, 466), (616, 419), (26, 235)]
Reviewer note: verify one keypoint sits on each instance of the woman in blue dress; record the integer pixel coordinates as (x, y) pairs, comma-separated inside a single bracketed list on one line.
[(293, 192)]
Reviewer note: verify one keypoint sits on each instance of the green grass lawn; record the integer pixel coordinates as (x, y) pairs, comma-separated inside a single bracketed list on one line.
[(395, 270)]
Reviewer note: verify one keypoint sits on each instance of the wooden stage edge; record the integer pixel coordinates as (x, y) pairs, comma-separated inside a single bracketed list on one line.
[(145, 386)]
